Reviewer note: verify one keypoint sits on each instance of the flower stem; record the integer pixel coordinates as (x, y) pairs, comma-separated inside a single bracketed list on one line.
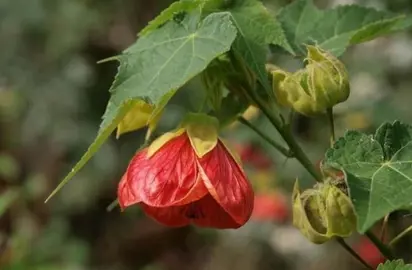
[(385, 250), (276, 145), (329, 113), (112, 205), (399, 236), (353, 253), (287, 135)]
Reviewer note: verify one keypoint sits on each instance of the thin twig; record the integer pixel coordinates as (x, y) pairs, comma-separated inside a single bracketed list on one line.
[(112, 205), (353, 253), (280, 148), (384, 226), (399, 236), (287, 135)]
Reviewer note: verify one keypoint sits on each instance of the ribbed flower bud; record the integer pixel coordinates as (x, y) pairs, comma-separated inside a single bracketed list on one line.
[(323, 212), (322, 84), (327, 76)]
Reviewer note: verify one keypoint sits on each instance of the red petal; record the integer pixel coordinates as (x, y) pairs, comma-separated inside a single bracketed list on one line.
[(124, 193), (204, 213), (227, 183), (172, 216), (169, 177), (211, 214)]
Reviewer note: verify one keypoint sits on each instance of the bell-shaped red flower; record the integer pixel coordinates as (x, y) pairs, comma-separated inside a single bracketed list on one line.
[(189, 176)]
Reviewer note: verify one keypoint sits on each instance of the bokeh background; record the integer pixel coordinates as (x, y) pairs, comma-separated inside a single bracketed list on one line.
[(52, 96)]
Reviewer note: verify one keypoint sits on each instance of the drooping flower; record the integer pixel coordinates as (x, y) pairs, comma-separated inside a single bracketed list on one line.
[(189, 176)]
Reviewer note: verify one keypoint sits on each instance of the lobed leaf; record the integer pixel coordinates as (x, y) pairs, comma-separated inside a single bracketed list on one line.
[(336, 29), (395, 265), (378, 170)]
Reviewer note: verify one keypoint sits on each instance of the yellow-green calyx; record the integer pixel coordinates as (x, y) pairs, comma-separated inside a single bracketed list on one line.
[(137, 117), (142, 114), (322, 84), (202, 131), (323, 212)]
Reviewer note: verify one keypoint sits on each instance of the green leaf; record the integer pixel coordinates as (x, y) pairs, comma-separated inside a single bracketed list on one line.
[(393, 137), (378, 170), (157, 64), (168, 14), (179, 7), (170, 56), (257, 28), (336, 29), (395, 265)]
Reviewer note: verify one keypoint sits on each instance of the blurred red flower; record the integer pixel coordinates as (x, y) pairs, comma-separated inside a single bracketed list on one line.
[(270, 207), (176, 186), (252, 155), (369, 252)]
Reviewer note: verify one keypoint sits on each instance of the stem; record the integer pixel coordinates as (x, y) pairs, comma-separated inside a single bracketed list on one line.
[(353, 253), (329, 113), (399, 236), (112, 205), (288, 137), (385, 250), (384, 226), (276, 145)]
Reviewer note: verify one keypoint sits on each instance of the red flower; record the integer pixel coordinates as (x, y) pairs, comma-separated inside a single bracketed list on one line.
[(270, 207), (188, 177)]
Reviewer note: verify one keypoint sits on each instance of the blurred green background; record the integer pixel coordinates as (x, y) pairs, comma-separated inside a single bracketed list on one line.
[(52, 96)]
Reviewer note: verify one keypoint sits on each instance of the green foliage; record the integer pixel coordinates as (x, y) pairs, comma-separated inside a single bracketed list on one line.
[(336, 29), (395, 265), (378, 170), (257, 28), (6, 199)]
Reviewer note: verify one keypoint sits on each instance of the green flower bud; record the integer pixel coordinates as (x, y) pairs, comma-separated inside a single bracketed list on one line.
[(327, 76), (291, 91), (321, 85), (323, 212)]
